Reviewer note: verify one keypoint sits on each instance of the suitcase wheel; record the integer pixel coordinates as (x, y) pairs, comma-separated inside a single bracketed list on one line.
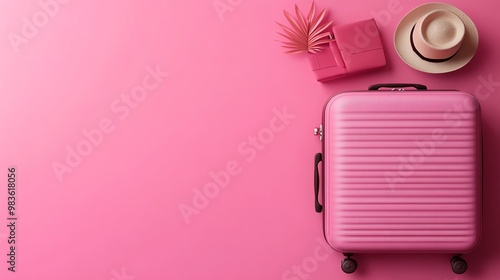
[(458, 265), (348, 265)]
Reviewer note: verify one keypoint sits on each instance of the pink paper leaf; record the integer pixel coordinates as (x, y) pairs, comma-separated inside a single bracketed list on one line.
[(305, 34), (312, 11)]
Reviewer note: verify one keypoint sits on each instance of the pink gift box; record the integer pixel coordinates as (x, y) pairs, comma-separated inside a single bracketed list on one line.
[(355, 48)]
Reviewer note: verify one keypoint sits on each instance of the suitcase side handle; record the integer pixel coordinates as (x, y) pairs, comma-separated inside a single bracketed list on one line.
[(378, 86), (317, 159)]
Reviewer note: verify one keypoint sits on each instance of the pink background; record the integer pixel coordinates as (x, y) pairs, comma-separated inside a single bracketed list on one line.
[(116, 215)]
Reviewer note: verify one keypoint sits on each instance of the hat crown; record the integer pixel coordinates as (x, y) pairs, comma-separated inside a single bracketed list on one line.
[(438, 34), (442, 29)]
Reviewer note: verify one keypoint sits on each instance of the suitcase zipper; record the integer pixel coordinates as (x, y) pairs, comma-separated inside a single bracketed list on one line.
[(318, 131)]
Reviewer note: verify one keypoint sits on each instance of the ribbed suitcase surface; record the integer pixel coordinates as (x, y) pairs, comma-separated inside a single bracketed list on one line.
[(402, 171)]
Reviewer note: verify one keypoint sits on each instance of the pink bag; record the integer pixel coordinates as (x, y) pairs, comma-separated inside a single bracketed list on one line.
[(402, 172), (355, 48)]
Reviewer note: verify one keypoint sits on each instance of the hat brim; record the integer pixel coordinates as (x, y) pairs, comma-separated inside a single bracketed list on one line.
[(405, 51)]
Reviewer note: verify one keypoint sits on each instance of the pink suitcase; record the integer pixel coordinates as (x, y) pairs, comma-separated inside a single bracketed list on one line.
[(401, 172)]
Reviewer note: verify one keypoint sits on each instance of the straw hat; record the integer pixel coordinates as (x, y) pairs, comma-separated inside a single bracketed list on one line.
[(436, 38)]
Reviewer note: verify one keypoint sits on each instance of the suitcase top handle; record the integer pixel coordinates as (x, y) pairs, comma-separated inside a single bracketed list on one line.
[(393, 86)]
